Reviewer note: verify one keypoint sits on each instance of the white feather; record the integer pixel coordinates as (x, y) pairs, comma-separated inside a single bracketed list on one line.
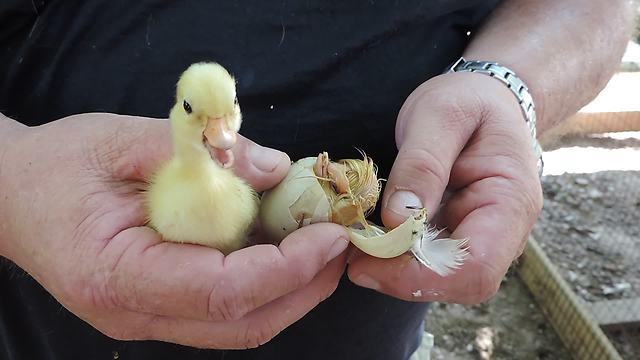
[(440, 255)]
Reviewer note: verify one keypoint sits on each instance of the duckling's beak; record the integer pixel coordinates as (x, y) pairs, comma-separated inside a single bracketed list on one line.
[(218, 133), (221, 139)]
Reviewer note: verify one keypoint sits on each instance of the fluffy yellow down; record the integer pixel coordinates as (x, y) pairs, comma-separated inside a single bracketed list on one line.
[(191, 198)]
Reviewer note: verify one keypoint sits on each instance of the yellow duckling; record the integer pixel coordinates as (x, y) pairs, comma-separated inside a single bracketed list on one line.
[(195, 198)]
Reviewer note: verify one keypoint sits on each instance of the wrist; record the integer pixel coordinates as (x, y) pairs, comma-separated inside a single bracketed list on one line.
[(564, 71), (517, 88), (534, 88)]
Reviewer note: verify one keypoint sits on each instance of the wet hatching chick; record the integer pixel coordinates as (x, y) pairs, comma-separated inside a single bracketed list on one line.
[(195, 197)]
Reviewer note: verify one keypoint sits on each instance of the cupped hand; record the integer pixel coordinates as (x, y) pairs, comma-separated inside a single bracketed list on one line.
[(73, 217), (466, 155)]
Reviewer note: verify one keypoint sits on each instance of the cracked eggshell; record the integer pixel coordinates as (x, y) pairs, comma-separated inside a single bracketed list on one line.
[(376, 242), (298, 200)]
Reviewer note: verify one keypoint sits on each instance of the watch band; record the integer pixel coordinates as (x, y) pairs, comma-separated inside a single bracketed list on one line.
[(517, 87)]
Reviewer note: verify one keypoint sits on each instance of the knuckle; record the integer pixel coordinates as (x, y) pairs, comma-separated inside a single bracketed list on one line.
[(110, 154), (86, 296), (460, 113), (525, 198), (331, 288), (118, 333), (521, 248), (94, 301), (467, 110), (123, 333), (537, 200), (530, 202), (300, 278), (426, 164), (306, 272), (488, 280), (106, 156), (297, 270), (225, 303), (127, 328), (258, 334)]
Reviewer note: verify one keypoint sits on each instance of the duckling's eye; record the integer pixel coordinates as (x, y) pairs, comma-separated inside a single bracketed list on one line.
[(235, 101), (187, 107)]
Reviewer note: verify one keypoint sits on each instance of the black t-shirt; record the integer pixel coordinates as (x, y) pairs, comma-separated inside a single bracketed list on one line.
[(312, 76)]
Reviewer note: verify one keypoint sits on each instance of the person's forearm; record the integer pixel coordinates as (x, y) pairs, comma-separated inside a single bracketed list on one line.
[(8, 129), (564, 50)]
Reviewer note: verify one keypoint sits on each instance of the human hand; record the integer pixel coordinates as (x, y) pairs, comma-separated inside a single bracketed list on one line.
[(463, 133), (73, 217)]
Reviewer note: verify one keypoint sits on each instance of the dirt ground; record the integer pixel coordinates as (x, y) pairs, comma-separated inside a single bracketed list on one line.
[(590, 229), (509, 326)]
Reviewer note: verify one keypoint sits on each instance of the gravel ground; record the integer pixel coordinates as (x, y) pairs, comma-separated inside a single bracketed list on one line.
[(590, 229), (509, 326)]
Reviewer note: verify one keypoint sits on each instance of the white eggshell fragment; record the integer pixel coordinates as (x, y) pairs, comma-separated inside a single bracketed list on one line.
[(297, 201), (376, 242)]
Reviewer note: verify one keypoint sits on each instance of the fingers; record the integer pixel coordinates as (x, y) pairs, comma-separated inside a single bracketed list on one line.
[(404, 278), (255, 328), (523, 203), (194, 282), (481, 152), (494, 215), (499, 167), (476, 281), (431, 132)]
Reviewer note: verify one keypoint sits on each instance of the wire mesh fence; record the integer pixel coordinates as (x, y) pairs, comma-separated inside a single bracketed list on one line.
[(589, 229)]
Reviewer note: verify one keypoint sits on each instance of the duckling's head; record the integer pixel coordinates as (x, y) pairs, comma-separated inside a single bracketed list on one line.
[(207, 109)]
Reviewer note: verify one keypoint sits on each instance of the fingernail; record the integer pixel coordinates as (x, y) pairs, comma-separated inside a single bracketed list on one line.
[(264, 158), (339, 246), (367, 281), (404, 203)]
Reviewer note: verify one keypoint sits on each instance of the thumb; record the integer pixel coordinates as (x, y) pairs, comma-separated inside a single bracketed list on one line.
[(260, 166), (147, 145), (430, 134)]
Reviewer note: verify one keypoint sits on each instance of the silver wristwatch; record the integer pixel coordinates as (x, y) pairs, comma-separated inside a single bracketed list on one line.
[(517, 87)]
